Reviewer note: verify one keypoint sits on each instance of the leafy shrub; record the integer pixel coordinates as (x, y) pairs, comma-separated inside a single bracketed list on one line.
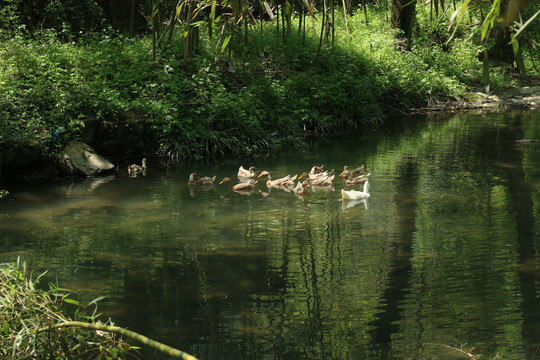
[(27, 311)]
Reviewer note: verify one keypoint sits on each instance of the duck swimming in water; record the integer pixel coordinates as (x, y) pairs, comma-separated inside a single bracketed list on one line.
[(243, 186), (194, 180), (134, 169), (286, 181), (355, 194), (352, 173), (301, 188), (247, 174)]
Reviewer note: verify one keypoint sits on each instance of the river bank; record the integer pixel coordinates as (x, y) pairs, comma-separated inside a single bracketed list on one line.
[(31, 166), (515, 98)]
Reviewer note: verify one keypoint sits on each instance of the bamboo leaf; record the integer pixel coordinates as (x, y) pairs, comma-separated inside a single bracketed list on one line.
[(198, 23), (96, 300), (213, 12), (225, 43), (71, 301), (524, 26), (310, 9), (456, 17), (268, 10), (490, 19), (179, 9)]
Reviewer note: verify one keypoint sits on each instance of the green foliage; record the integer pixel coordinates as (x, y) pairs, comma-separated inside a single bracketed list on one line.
[(48, 87), (259, 95), (26, 309)]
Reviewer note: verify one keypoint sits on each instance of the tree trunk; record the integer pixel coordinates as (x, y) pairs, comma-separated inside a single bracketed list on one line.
[(403, 16), (120, 12)]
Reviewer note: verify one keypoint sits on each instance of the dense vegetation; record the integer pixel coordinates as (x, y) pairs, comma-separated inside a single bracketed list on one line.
[(27, 314), (234, 78), (34, 324)]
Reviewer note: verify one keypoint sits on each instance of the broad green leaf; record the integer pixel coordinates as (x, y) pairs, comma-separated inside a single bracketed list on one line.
[(213, 12), (490, 18), (71, 301), (225, 43)]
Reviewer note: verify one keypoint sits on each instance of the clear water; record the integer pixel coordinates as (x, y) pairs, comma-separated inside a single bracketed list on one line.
[(441, 259)]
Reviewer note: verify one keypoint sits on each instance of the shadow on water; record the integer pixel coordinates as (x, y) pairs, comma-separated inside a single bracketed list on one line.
[(509, 153), (387, 321)]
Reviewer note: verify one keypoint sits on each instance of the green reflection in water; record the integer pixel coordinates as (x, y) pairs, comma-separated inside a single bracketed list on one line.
[(443, 254)]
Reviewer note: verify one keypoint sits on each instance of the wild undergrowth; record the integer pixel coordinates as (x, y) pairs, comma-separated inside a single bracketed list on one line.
[(259, 95), (27, 315)]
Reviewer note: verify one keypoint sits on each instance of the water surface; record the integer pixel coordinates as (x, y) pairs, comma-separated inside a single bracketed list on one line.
[(441, 259)]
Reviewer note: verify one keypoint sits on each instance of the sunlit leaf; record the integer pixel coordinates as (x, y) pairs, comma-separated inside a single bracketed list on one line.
[(456, 17), (225, 43), (524, 26), (268, 10), (213, 12), (71, 301), (179, 8)]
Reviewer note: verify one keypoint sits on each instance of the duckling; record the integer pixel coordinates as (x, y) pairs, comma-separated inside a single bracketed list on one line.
[(318, 177)]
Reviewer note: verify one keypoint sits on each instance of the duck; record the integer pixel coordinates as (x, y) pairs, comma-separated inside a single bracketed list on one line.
[(352, 173), (286, 181), (247, 174), (243, 186), (301, 188), (315, 172), (357, 180), (323, 181), (355, 194), (321, 176), (135, 169), (194, 180)]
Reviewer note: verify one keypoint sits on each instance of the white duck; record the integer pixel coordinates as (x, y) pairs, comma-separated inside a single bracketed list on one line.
[(355, 194), (247, 174)]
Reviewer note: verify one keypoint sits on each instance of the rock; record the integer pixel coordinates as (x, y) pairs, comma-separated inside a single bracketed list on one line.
[(81, 159)]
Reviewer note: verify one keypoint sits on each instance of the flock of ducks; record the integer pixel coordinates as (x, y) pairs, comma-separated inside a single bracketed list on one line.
[(316, 177)]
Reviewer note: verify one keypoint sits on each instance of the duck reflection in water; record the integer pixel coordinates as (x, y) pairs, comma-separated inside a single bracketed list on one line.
[(347, 204), (134, 169)]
